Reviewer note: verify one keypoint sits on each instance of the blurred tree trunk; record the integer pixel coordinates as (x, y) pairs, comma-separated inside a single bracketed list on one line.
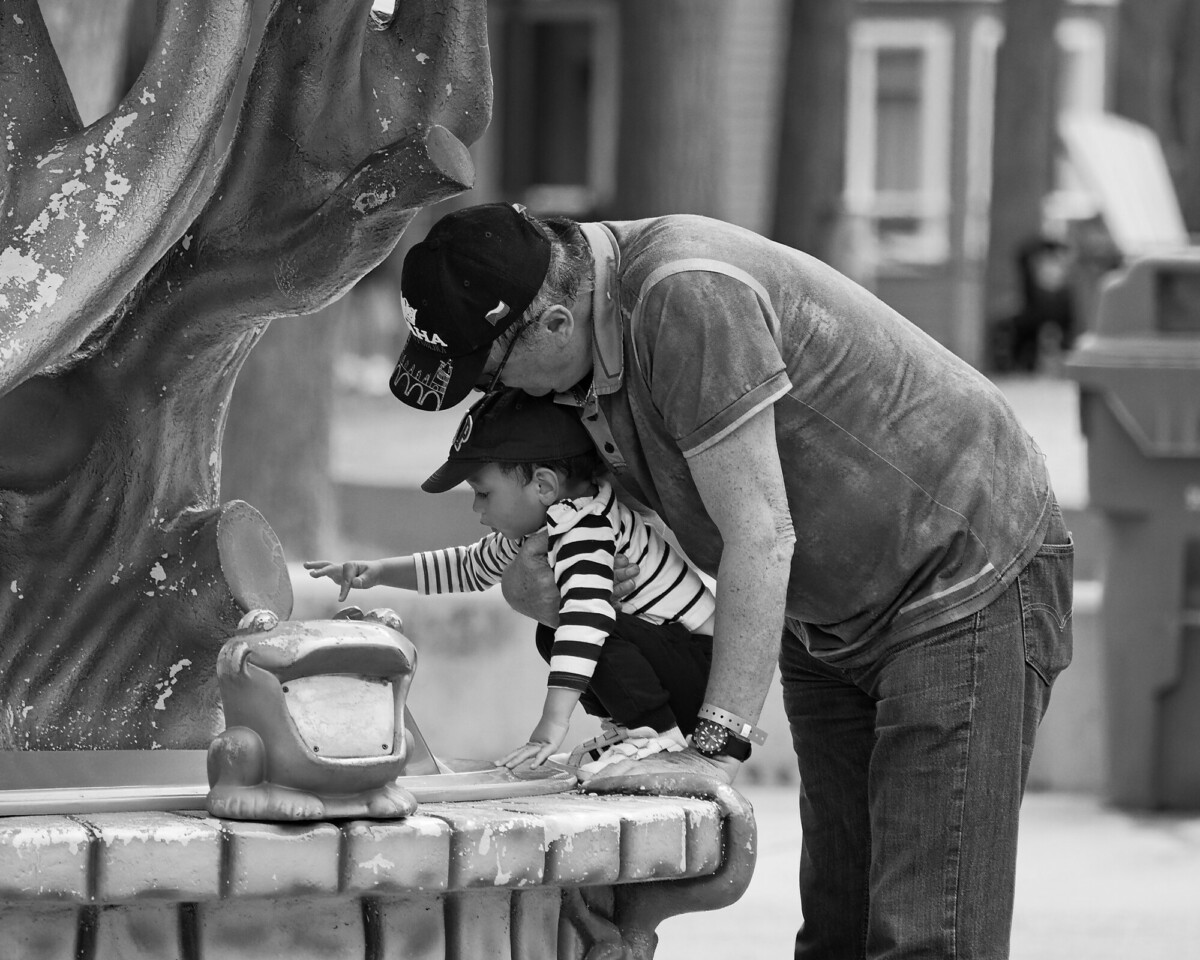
[(670, 146), (276, 448), (810, 174), (1158, 84), (1023, 142), (1186, 97)]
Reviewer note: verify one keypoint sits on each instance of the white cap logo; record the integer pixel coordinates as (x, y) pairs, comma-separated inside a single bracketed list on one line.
[(497, 313), (410, 314), (464, 431)]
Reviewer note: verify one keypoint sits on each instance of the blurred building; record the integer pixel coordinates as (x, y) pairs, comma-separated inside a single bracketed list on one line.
[(921, 82)]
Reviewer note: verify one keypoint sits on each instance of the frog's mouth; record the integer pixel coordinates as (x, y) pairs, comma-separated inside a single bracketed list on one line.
[(343, 715), (342, 695), (338, 655)]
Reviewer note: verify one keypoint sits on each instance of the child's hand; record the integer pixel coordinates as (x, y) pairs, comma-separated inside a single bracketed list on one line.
[(546, 738), (351, 573)]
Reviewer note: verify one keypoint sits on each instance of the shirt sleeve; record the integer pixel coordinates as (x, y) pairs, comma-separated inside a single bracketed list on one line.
[(708, 341), (470, 568), (583, 568)]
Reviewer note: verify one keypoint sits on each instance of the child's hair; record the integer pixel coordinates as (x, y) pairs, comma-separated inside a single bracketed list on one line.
[(586, 467)]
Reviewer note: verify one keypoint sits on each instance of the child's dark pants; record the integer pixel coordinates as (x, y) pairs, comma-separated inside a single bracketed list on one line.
[(649, 674)]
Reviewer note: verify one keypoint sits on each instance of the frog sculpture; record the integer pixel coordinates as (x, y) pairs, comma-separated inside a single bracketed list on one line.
[(315, 719)]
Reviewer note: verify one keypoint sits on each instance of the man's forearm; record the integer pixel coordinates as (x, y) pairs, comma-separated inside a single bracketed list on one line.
[(751, 595)]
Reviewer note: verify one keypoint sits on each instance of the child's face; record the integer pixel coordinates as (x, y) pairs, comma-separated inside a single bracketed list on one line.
[(506, 504)]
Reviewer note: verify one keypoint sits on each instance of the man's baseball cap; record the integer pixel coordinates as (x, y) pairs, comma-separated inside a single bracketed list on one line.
[(510, 426), (468, 281)]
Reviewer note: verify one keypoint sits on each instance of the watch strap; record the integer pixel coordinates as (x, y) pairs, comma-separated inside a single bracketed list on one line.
[(737, 748), (741, 728)]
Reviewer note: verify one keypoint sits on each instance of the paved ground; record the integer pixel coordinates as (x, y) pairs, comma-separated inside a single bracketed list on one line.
[(1094, 883)]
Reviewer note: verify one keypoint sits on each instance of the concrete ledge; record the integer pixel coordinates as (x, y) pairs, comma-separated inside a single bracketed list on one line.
[(455, 881), (189, 857)]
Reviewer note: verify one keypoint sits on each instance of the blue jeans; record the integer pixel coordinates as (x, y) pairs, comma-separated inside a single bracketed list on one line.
[(913, 763)]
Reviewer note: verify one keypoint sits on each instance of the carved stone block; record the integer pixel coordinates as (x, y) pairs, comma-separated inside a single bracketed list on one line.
[(43, 858), (405, 856)]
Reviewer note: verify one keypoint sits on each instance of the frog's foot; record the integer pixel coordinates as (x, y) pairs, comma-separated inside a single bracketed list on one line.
[(263, 801), (390, 800)]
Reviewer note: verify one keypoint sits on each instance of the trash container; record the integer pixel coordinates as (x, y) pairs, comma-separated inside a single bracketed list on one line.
[(1139, 377)]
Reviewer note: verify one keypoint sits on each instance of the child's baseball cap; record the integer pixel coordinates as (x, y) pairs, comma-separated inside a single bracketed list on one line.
[(510, 426), (468, 281)]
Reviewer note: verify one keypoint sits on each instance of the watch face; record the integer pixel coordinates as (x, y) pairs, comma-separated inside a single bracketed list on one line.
[(709, 737)]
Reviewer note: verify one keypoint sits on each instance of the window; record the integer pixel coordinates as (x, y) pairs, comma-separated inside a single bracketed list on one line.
[(559, 95), (898, 147)]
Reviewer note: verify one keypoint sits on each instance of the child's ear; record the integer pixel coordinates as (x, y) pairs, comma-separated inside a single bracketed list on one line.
[(548, 485)]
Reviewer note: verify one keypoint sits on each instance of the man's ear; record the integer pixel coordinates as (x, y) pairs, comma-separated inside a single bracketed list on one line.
[(557, 320), (549, 485)]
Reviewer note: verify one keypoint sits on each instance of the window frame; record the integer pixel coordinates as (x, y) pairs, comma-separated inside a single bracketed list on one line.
[(930, 203), (599, 185)]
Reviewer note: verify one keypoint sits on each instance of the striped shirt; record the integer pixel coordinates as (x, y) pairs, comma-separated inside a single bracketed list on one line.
[(585, 534)]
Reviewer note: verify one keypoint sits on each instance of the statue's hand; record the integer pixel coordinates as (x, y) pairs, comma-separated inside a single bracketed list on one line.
[(528, 584)]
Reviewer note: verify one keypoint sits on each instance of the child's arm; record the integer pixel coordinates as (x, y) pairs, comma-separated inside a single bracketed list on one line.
[(450, 570), (583, 566), (550, 732), (361, 574), (582, 559)]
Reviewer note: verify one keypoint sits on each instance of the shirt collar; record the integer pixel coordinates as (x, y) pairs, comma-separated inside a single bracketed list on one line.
[(565, 513), (607, 355)]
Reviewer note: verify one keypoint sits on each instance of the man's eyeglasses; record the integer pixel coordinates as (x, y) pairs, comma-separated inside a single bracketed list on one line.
[(494, 383), (468, 421)]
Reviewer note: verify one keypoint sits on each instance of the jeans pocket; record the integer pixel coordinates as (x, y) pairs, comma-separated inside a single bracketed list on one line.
[(1046, 586)]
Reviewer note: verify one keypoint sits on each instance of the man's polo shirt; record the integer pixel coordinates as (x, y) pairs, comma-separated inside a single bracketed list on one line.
[(915, 493)]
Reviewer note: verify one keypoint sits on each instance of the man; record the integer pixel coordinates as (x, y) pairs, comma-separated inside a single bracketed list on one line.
[(854, 488)]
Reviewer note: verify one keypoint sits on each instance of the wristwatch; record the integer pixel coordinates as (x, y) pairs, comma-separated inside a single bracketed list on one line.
[(713, 739)]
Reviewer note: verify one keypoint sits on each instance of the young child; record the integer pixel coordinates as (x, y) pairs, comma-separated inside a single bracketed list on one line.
[(644, 667)]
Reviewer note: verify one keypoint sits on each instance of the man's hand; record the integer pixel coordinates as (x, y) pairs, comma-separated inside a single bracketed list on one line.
[(724, 769), (624, 570), (528, 583)]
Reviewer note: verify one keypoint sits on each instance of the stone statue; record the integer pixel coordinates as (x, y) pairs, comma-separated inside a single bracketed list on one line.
[(137, 270)]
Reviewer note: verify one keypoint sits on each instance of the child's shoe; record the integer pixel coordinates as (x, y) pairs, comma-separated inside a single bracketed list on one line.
[(610, 733)]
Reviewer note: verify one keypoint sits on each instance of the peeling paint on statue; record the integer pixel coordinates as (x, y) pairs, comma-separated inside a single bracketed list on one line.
[(137, 270)]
